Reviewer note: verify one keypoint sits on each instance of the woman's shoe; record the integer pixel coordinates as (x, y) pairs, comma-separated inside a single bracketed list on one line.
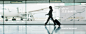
[(45, 24)]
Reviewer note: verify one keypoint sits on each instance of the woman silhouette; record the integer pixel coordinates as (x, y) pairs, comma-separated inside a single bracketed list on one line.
[(50, 16)]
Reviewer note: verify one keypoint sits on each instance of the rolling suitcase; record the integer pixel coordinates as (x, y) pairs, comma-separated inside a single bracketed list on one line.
[(57, 22)]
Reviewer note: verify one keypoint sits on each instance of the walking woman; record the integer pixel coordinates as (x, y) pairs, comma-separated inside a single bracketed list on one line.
[(50, 16)]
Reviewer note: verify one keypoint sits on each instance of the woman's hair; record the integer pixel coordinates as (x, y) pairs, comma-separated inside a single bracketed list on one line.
[(50, 7)]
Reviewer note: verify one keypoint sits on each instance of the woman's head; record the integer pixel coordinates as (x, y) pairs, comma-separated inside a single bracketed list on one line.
[(50, 7)]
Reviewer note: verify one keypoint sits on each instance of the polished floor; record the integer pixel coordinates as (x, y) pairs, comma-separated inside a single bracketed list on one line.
[(41, 22), (41, 29)]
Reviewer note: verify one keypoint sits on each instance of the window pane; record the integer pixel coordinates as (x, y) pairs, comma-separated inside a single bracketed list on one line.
[(14, 12), (80, 17), (67, 13), (1, 12), (37, 12)]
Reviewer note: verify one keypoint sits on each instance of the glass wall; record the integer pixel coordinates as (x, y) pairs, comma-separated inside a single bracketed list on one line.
[(30, 12), (21, 12), (73, 13), (16, 16)]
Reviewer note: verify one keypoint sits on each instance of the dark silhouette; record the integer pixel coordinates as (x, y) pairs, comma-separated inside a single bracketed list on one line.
[(57, 29), (14, 19), (54, 30), (50, 16), (47, 30), (57, 22)]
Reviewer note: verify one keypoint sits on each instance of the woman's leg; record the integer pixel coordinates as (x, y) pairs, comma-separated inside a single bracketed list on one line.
[(53, 20), (47, 20)]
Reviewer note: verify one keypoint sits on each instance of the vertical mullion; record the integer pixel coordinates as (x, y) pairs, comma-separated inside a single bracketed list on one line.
[(49, 1), (3, 16), (26, 18), (74, 18)]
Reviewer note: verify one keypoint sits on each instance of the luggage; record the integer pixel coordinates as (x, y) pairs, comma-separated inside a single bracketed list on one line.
[(57, 22)]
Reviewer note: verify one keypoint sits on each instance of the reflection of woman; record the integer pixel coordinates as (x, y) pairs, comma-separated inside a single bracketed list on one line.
[(47, 30), (54, 30), (57, 29), (50, 15)]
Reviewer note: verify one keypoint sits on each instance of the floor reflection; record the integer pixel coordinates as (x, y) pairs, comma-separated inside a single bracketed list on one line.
[(41, 29), (54, 30)]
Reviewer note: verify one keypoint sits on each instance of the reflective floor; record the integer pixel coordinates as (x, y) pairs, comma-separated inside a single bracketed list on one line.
[(41, 29), (41, 22)]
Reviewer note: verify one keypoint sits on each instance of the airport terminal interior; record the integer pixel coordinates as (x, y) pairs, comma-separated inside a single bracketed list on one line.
[(29, 16)]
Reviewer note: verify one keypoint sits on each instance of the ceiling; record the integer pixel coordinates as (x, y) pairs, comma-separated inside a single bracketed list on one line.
[(40, 1)]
